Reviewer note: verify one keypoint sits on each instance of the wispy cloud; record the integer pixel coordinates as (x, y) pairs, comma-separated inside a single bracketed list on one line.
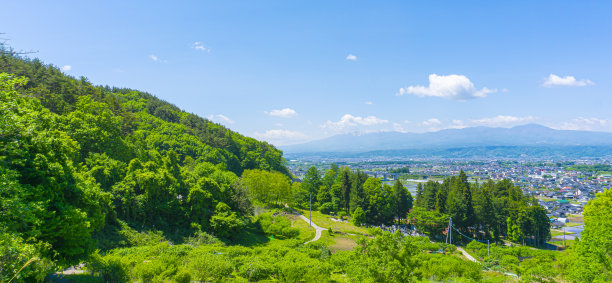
[(554, 80), (586, 124), (397, 127), (456, 87), (369, 103), (282, 137), (503, 120), (351, 57), (349, 122), (200, 47), (434, 124), (284, 113), (220, 118), (155, 58), (66, 68)]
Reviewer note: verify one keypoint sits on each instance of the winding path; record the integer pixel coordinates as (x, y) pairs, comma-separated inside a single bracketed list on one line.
[(317, 228)]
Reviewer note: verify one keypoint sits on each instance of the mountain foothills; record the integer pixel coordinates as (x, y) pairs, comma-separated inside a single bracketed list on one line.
[(138, 190), (532, 140)]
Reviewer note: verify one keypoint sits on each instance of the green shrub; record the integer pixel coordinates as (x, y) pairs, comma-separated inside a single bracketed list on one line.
[(182, 276), (109, 267), (326, 208), (259, 267), (16, 255), (225, 223), (279, 226), (202, 238), (359, 217), (209, 263)]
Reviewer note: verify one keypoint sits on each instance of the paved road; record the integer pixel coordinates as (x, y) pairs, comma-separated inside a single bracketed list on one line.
[(317, 228)]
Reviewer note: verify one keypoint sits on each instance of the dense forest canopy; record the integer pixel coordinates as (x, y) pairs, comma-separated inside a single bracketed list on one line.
[(487, 211), (77, 161)]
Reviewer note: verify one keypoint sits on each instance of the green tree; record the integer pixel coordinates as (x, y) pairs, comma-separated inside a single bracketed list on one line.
[(379, 202), (359, 217), (312, 182), (428, 222), (593, 253), (225, 223), (357, 195), (403, 200)]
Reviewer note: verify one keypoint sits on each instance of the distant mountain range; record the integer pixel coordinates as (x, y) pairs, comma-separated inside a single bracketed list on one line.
[(486, 138)]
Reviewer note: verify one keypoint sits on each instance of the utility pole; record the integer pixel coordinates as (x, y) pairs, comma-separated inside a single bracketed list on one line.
[(310, 209), (564, 246), (450, 230)]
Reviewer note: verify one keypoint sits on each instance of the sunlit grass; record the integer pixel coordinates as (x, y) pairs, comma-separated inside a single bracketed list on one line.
[(324, 221)]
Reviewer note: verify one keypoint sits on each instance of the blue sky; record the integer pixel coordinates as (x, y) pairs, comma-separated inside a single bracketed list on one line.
[(293, 71)]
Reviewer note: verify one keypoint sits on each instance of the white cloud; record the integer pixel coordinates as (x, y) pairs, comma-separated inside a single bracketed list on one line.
[(432, 123), (351, 57), (348, 122), (220, 118), (502, 120), (554, 80), (282, 137), (200, 47), (155, 58), (66, 68), (369, 103), (458, 124), (397, 127), (457, 87), (586, 124), (285, 113)]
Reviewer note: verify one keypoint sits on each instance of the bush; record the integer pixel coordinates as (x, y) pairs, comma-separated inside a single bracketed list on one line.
[(209, 264), (202, 238), (326, 208), (182, 276), (225, 223), (258, 267), (109, 267), (15, 254), (358, 217), (279, 226)]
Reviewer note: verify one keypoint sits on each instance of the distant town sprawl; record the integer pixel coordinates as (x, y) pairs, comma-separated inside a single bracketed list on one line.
[(562, 187)]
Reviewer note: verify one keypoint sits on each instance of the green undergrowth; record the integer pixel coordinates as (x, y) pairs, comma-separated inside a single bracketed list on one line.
[(286, 260)]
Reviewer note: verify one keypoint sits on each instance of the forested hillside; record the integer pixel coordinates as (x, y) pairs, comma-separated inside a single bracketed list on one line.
[(78, 162)]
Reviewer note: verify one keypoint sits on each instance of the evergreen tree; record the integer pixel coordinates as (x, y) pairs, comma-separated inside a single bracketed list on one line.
[(357, 194), (346, 188), (403, 200), (419, 196)]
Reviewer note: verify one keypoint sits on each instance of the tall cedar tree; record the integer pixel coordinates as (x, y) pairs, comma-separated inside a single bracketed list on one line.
[(403, 200)]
